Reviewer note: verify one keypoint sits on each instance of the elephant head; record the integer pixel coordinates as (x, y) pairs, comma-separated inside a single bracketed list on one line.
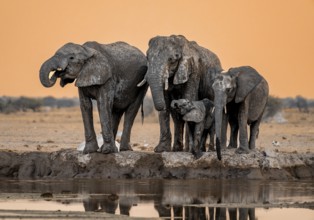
[(169, 61), (73, 61), (234, 85), (195, 111)]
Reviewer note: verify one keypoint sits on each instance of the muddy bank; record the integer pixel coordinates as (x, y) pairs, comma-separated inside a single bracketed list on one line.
[(138, 165)]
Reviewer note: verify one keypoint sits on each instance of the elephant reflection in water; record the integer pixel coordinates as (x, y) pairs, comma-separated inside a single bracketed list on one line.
[(109, 204), (244, 213), (205, 213)]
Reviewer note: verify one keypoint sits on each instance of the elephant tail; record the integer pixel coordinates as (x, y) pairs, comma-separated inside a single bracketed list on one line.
[(142, 111)]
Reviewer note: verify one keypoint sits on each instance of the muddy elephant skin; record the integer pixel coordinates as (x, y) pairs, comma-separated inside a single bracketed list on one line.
[(177, 69), (244, 93), (107, 73), (199, 116)]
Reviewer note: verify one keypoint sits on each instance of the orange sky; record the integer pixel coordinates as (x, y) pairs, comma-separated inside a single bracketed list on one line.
[(274, 36)]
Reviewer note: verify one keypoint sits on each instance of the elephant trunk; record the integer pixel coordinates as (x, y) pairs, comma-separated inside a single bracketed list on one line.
[(218, 127), (220, 104), (155, 81), (45, 69)]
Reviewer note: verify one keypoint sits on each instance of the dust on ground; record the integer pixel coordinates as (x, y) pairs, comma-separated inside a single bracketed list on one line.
[(55, 129)]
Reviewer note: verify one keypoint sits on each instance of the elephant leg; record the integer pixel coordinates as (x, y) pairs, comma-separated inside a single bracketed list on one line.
[(204, 139), (190, 133), (243, 137), (178, 134), (104, 104), (254, 130), (129, 117), (165, 133), (251, 213), (212, 138), (243, 213), (116, 118), (233, 133), (187, 145), (232, 213), (198, 132), (86, 106)]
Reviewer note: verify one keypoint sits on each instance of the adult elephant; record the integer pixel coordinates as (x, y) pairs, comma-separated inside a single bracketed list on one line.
[(177, 69), (244, 93), (107, 73)]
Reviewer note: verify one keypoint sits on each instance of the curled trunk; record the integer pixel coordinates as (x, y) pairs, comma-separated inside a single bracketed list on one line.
[(46, 68)]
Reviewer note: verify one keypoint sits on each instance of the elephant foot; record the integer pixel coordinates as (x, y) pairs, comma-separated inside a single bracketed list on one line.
[(198, 155), (211, 148), (242, 150), (164, 146), (203, 148), (126, 147), (252, 147), (90, 147), (231, 147), (177, 148), (108, 148)]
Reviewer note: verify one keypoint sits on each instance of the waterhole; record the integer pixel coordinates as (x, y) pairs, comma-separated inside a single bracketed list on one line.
[(157, 199)]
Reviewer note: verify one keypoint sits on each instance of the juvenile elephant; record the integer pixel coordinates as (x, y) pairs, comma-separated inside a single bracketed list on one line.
[(177, 69), (107, 73), (199, 116), (244, 93)]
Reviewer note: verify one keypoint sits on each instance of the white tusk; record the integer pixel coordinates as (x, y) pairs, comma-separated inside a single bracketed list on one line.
[(166, 76), (225, 110), (59, 69), (141, 83), (166, 84), (224, 71), (212, 112)]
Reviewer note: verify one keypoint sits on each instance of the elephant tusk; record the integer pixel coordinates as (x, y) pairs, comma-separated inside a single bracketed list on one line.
[(141, 83), (225, 110), (212, 112), (59, 69), (166, 76), (166, 84)]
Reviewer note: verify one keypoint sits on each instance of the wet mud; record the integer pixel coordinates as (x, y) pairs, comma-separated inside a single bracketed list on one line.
[(70, 163)]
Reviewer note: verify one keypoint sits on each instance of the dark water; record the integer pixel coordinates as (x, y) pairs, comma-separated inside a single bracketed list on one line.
[(166, 199)]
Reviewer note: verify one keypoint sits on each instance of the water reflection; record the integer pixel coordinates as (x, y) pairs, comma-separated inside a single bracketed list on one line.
[(185, 199)]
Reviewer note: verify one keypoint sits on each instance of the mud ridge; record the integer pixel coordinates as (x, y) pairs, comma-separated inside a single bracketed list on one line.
[(68, 163)]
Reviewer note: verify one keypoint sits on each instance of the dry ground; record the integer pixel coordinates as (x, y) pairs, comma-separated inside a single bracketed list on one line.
[(54, 129)]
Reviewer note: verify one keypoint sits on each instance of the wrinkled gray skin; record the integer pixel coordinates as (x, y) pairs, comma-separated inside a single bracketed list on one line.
[(177, 69), (108, 73), (198, 115), (244, 93)]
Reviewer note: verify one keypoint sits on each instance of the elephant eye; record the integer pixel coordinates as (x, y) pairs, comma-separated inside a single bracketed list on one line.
[(71, 58), (229, 90)]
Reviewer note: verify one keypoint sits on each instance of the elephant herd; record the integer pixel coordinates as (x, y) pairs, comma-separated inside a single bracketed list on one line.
[(186, 80)]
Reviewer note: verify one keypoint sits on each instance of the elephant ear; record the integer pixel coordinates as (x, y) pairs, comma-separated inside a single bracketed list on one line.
[(184, 70), (247, 79), (197, 114), (96, 70)]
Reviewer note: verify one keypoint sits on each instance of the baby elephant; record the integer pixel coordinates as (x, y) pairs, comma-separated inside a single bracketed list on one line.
[(199, 116)]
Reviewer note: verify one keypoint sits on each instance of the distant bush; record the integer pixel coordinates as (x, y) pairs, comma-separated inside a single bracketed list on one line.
[(8, 104), (13, 104), (302, 104), (273, 106)]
